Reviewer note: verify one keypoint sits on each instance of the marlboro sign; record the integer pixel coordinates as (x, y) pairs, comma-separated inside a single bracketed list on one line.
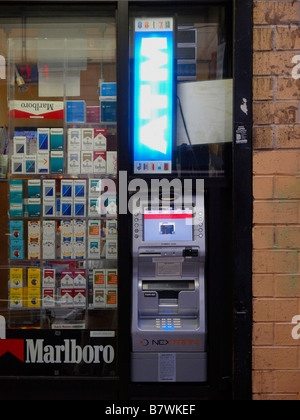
[(49, 110)]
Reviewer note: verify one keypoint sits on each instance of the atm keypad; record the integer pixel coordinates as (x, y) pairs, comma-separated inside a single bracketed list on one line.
[(168, 323)]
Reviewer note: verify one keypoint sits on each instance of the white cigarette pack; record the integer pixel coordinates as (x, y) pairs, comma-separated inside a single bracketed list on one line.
[(74, 139), (87, 163), (87, 139)]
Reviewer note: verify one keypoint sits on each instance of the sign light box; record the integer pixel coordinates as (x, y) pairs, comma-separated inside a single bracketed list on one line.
[(153, 96)]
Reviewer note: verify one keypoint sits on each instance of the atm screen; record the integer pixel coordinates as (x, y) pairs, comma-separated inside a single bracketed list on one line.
[(168, 225)]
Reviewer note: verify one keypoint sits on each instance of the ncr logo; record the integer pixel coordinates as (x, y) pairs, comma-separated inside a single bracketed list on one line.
[(15, 347)]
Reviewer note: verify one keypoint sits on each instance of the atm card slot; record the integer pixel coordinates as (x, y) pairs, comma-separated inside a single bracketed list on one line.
[(165, 286)]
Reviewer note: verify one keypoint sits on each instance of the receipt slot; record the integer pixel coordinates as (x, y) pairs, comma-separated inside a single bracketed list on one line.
[(168, 293)]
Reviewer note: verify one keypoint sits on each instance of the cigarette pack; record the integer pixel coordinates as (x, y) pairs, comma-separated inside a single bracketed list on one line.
[(34, 278), (87, 139), (100, 139), (48, 298), (80, 207), (99, 298), (74, 162), (111, 249), (67, 231), (112, 278), (57, 162), (112, 163), (111, 205), (49, 277), (16, 298), (34, 207), (79, 278), (94, 229), (30, 164), (43, 159), (49, 208), (94, 207), (80, 188), (66, 208), (57, 139), (111, 228), (16, 210), (49, 189), (74, 139), (17, 164), (16, 229), (16, 249), (79, 297), (67, 251), (34, 251), (34, 188), (20, 145), (67, 297), (16, 191), (79, 250), (33, 298), (49, 228), (87, 162), (43, 139), (79, 229), (67, 186), (67, 279), (111, 298), (99, 276), (16, 278), (34, 231), (94, 251), (99, 158), (49, 250), (94, 187)]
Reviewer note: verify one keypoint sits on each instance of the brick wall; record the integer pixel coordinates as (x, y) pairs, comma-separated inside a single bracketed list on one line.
[(276, 190)]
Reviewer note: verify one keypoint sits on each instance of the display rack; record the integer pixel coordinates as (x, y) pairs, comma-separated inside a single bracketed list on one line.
[(63, 211)]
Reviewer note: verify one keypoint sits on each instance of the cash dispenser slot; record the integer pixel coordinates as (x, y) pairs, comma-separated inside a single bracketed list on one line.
[(172, 297)]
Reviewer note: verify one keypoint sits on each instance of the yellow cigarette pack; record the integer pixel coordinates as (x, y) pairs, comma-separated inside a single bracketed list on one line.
[(33, 298), (34, 278), (16, 298), (16, 277)]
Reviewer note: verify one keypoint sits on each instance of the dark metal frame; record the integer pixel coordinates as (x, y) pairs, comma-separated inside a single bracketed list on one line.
[(226, 381)]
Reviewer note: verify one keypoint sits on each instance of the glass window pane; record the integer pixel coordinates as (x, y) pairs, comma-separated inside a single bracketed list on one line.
[(202, 92), (58, 126)]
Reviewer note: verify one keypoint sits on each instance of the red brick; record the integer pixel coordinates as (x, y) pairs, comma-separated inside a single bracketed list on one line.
[(288, 137), (287, 89), (278, 212), (273, 63), (275, 261), (263, 187), (275, 13), (287, 381), (287, 187), (263, 137), (263, 237), (287, 237), (275, 358), (263, 285), (263, 88), (279, 162), (287, 286), (263, 334), (263, 39)]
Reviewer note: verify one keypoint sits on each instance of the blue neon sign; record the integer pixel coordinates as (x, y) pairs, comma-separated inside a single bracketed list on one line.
[(153, 100)]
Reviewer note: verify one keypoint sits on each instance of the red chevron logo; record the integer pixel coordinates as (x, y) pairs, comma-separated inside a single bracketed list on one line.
[(15, 347)]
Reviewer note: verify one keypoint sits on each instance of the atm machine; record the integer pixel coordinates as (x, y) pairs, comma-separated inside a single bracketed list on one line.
[(168, 292)]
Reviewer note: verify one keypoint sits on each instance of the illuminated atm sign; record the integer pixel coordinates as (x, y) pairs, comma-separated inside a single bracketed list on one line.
[(153, 96)]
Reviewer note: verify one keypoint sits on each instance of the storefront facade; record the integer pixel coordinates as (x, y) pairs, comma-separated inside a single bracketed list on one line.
[(100, 102)]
